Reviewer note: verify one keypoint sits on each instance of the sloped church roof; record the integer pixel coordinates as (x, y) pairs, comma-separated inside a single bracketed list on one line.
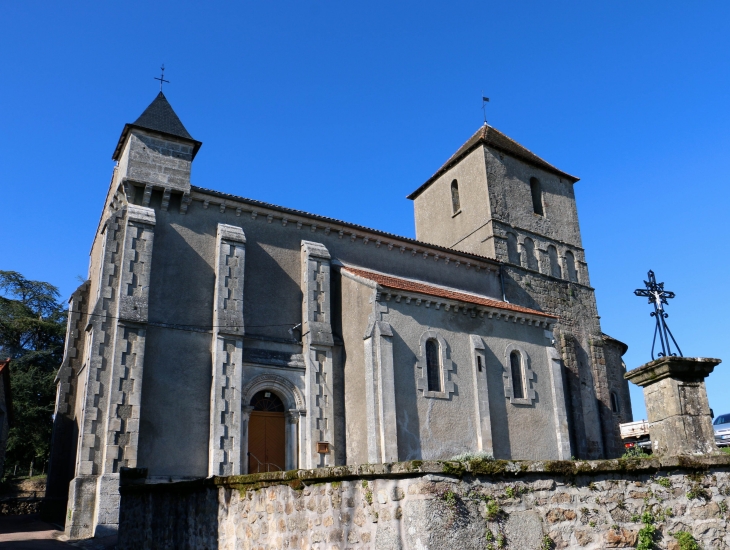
[(159, 117), (487, 135)]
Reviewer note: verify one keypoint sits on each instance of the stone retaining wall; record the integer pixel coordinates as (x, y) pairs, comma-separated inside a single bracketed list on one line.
[(437, 505)]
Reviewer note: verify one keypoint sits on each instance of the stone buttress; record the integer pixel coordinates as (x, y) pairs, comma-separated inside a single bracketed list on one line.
[(317, 342), (227, 351), (65, 429), (380, 388), (109, 424)]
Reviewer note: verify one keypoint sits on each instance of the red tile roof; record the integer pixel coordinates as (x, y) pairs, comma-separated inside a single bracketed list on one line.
[(422, 288), (497, 140)]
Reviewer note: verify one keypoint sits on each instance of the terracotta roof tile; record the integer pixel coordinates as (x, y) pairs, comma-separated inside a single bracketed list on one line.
[(397, 283)]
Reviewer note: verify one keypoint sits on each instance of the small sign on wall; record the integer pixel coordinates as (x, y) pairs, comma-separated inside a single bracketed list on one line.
[(323, 447)]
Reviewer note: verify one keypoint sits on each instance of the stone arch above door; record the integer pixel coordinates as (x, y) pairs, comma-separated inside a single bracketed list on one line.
[(284, 388)]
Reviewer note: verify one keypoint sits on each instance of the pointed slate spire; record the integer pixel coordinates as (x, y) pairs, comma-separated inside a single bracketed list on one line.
[(158, 117)]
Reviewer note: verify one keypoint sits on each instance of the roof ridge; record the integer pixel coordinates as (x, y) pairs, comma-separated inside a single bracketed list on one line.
[(421, 287), (509, 146)]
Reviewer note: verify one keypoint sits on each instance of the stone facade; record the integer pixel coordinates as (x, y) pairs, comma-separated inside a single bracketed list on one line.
[(376, 348), (475, 505)]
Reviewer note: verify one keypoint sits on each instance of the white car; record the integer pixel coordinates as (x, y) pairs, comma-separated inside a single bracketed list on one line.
[(722, 430)]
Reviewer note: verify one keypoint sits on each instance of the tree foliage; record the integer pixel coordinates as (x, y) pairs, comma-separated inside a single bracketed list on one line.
[(32, 331)]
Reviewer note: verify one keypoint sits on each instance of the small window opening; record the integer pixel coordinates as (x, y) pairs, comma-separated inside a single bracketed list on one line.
[(536, 191), (433, 365), (518, 388), (614, 403), (455, 204), (479, 362)]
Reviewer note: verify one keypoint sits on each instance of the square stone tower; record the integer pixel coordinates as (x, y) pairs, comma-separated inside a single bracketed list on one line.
[(495, 198)]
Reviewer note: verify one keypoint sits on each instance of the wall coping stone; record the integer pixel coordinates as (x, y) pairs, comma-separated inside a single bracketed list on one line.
[(133, 480)]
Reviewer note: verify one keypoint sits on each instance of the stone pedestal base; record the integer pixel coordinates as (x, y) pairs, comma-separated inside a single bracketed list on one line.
[(676, 404)]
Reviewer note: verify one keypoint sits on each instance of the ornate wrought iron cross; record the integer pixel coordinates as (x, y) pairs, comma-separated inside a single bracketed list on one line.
[(658, 296), (162, 77)]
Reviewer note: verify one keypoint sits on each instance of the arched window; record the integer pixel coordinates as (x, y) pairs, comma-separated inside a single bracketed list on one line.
[(530, 258), (536, 191), (614, 403), (555, 270), (513, 254), (518, 386), (268, 401), (570, 266), (433, 365), (455, 204)]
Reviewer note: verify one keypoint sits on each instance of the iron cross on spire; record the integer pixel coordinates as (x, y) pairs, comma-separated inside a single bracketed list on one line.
[(162, 77), (658, 297)]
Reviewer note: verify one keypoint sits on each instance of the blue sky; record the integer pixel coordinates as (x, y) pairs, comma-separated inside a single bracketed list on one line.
[(343, 108)]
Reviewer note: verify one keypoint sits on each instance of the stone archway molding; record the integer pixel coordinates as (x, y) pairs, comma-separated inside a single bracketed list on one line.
[(284, 388)]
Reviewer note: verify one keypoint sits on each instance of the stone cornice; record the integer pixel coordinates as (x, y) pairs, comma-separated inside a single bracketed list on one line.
[(313, 223)]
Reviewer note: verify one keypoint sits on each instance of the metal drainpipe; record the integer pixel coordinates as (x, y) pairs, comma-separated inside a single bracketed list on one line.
[(501, 279)]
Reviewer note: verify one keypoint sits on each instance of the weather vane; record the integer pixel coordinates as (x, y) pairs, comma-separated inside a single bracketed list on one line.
[(658, 296), (485, 100), (162, 77)]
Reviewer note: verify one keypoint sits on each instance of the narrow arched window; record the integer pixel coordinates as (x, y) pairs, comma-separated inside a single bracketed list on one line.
[(518, 386), (536, 191), (614, 403), (433, 365), (530, 258), (513, 255), (570, 266), (455, 204), (555, 270)]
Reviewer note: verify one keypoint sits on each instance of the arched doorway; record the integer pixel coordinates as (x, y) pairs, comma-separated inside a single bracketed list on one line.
[(266, 433)]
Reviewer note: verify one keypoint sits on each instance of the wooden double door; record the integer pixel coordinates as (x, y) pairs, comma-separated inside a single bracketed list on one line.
[(266, 442)]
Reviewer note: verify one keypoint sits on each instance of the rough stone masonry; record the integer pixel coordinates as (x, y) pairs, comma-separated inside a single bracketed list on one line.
[(480, 504)]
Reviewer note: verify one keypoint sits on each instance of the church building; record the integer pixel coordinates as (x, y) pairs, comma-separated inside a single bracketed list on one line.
[(220, 335)]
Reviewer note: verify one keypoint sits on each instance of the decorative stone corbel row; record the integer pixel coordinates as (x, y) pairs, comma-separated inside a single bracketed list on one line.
[(224, 449), (352, 235), (473, 310)]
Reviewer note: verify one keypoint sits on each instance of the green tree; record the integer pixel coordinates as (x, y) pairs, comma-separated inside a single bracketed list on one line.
[(32, 331)]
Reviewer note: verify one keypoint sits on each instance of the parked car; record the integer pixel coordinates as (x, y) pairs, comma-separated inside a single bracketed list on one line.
[(636, 434), (722, 430)]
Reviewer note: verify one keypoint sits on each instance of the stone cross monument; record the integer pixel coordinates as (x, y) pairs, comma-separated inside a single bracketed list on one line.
[(680, 422)]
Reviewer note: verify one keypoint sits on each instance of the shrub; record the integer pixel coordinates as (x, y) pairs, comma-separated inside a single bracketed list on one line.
[(467, 457), (686, 541), (635, 452)]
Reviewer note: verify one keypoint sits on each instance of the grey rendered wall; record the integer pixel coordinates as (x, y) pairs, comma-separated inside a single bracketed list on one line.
[(434, 428), (435, 220), (357, 307)]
